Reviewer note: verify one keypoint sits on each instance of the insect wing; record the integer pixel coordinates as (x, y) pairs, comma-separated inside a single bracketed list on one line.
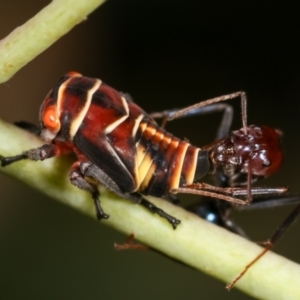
[(107, 136)]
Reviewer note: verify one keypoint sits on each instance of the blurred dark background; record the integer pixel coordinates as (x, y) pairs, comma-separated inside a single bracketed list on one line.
[(166, 54)]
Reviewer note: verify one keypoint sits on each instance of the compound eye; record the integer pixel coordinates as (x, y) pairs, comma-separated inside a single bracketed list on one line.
[(51, 120)]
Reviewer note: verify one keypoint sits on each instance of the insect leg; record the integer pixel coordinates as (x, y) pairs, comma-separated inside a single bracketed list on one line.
[(288, 221), (225, 124), (41, 153), (216, 100), (208, 190), (238, 191), (32, 128), (223, 210), (154, 209), (270, 243), (91, 170), (269, 201), (197, 190), (77, 179)]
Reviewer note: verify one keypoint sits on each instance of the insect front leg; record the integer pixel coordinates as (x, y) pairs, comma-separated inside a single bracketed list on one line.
[(41, 153), (77, 178), (29, 127)]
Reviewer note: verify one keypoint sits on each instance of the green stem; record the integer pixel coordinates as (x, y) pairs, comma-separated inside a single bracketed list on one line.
[(195, 242), (40, 32)]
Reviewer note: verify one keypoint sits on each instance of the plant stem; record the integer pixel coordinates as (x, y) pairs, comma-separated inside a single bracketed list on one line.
[(195, 242), (40, 32)]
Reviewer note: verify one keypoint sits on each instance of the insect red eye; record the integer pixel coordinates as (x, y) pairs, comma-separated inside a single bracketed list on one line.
[(51, 119)]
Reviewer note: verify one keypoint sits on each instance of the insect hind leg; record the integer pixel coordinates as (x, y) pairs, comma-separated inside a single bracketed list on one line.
[(77, 178), (88, 169), (154, 209)]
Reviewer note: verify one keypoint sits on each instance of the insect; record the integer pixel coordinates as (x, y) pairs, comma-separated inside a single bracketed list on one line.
[(218, 212), (120, 146)]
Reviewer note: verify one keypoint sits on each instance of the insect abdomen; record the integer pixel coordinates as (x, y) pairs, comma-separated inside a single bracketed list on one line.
[(164, 161)]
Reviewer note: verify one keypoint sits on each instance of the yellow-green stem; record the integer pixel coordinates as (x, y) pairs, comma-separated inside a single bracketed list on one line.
[(195, 242), (40, 32)]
